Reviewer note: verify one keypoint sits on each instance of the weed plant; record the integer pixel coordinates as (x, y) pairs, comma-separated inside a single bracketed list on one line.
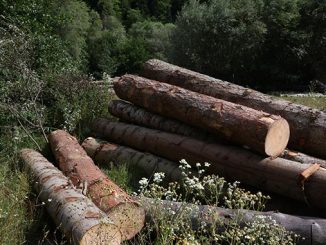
[(174, 224)]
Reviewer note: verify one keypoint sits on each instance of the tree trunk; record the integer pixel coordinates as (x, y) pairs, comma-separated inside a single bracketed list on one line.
[(79, 167), (310, 228), (260, 131), (137, 115), (279, 175), (133, 114), (307, 125), (74, 213), (104, 152), (302, 158)]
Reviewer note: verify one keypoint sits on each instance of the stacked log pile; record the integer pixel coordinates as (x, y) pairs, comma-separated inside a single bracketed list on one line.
[(173, 113), (308, 125), (182, 114)]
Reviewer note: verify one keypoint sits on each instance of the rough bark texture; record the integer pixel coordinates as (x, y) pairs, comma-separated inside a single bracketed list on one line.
[(303, 158), (260, 131), (307, 125), (133, 114), (137, 115), (75, 214), (80, 168), (279, 175), (311, 228), (103, 152)]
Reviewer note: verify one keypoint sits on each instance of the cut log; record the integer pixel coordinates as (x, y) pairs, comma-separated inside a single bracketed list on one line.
[(307, 125), (280, 176), (312, 229), (103, 153), (127, 214), (78, 217), (302, 158), (137, 115), (262, 132)]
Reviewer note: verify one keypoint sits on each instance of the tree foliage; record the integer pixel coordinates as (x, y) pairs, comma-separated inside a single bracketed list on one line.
[(267, 43), (221, 37)]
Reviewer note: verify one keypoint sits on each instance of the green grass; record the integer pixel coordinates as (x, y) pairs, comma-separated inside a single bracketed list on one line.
[(22, 219), (315, 102)]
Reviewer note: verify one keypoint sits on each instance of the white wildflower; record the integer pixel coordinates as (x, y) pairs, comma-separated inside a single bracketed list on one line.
[(143, 182), (158, 177)]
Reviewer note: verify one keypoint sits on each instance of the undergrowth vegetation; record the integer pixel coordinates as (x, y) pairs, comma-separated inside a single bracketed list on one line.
[(176, 216)]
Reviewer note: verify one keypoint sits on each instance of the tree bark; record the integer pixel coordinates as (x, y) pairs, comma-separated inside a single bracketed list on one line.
[(79, 167), (280, 176), (262, 132), (104, 152), (307, 125), (75, 214), (137, 115), (133, 114), (302, 158), (310, 228)]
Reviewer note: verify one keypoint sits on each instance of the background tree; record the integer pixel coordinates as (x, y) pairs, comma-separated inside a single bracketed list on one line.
[(314, 25), (221, 38)]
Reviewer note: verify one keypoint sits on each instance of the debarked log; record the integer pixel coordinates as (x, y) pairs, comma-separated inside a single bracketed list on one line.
[(278, 175), (104, 152), (76, 215), (262, 132), (312, 229), (307, 125), (125, 212)]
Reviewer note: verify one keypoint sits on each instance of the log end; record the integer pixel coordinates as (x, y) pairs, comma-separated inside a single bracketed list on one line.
[(102, 234), (277, 138), (129, 217)]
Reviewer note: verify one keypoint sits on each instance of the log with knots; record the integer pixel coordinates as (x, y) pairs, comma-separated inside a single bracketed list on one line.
[(125, 212), (262, 132), (308, 125), (278, 175)]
